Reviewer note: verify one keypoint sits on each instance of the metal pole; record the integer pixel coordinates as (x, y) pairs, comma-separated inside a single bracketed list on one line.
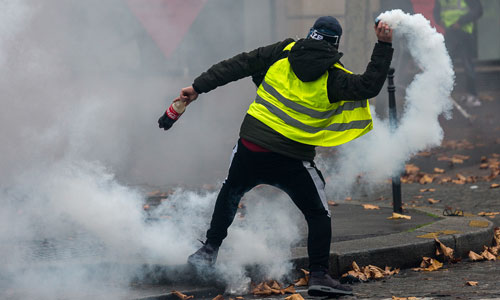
[(396, 180)]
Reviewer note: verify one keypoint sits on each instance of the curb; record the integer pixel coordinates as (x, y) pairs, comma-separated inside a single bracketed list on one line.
[(406, 249)]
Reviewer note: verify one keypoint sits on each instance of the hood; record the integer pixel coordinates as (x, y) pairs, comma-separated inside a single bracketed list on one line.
[(311, 58)]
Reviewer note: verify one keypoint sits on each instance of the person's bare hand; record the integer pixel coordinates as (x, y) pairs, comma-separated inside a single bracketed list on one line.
[(188, 94), (383, 32)]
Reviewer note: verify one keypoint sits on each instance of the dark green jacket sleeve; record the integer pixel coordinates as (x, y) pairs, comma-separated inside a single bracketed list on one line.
[(240, 66), (344, 86)]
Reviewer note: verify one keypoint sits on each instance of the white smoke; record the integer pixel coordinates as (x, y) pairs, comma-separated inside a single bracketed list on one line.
[(381, 153), (70, 122)]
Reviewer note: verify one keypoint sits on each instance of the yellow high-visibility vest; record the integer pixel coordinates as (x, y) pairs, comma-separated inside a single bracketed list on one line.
[(302, 112), (452, 10)]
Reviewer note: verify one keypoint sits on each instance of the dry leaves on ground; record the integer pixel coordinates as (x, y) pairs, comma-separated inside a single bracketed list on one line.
[(271, 287), (218, 297), (369, 272), (433, 201), (404, 298), (429, 264), (370, 206), (472, 283), (303, 280), (457, 144), (332, 203), (441, 249), (474, 256), (294, 297), (427, 190), (489, 253), (182, 296), (494, 185), (488, 214), (438, 170), (396, 216)]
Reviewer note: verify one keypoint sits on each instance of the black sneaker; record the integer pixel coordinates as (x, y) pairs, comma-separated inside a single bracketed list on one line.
[(322, 285), (205, 256)]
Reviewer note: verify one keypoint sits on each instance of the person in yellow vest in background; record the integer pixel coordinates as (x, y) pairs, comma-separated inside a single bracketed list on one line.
[(458, 18), (305, 98)]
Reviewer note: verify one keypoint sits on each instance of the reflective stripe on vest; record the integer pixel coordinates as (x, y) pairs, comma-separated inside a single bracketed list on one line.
[(302, 112), (452, 11)]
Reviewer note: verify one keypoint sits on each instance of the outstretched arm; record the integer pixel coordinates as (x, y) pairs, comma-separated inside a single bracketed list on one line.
[(344, 86)]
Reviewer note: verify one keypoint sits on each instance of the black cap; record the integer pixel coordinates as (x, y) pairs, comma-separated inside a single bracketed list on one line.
[(326, 28)]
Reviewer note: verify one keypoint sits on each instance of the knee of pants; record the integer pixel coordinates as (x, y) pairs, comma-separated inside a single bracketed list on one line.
[(317, 215)]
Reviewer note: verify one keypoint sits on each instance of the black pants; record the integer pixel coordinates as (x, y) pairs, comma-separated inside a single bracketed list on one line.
[(460, 44), (300, 180)]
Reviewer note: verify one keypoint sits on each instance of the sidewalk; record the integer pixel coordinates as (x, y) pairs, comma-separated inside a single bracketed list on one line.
[(361, 235)]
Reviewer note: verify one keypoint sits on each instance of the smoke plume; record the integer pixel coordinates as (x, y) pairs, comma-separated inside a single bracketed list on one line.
[(382, 153)]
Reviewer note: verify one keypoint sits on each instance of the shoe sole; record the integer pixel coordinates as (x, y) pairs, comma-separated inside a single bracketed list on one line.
[(322, 291)]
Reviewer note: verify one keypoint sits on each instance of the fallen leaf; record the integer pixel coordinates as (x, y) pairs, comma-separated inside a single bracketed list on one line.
[(218, 297), (438, 170), (479, 223), (294, 297), (487, 255), (429, 265), (304, 280), (432, 201), (239, 298), (332, 203), (471, 283), (488, 213), (410, 168), (494, 185), (474, 256), (290, 289), (348, 198), (433, 235), (376, 272), (426, 179), (445, 180), (404, 298), (275, 285), (370, 206), (460, 156), (399, 216), (446, 251), (182, 296), (419, 197), (483, 166)]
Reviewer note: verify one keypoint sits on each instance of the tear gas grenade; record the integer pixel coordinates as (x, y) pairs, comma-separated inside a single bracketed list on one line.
[(172, 114)]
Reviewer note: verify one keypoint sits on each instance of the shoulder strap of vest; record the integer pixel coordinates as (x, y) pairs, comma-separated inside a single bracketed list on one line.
[(289, 46), (339, 66), (258, 77)]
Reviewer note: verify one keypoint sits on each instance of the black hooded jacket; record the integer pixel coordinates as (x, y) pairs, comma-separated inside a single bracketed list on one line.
[(309, 60)]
